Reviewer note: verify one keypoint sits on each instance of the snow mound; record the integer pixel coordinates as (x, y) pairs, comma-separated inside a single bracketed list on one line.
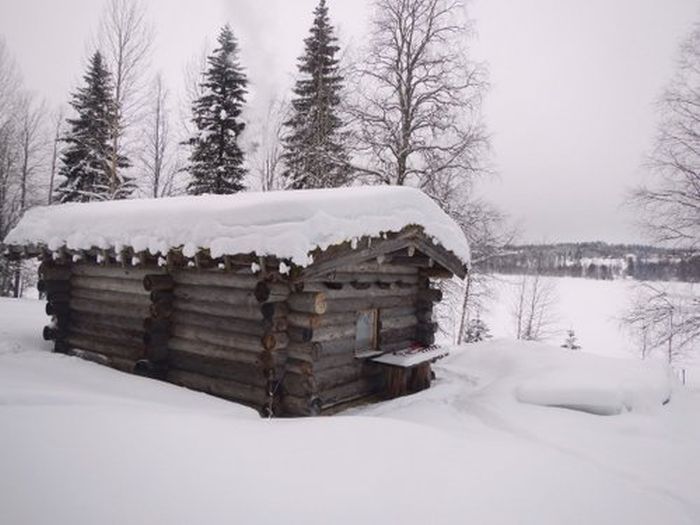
[(603, 391), (286, 224)]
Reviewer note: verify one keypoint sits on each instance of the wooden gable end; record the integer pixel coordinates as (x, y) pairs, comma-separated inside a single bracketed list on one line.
[(410, 247)]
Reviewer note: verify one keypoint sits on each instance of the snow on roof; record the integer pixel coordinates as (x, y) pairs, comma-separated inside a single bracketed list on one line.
[(286, 224)]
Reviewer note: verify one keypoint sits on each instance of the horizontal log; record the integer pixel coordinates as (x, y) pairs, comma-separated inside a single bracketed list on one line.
[(314, 303), (398, 334), (110, 297), (118, 363), (115, 271), (158, 354), (58, 297), (215, 351), (248, 394), (108, 321), (229, 338), (107, 348), (108, 284), (161, 295), (401, 345), (54, 272), (306, 385), (397, 311), (120, 310), (418, 261), (299, 406), (156, 282), (216, 323), (358, 279), (318, 321), (271, 292), (365, 303), (228, 296), (298, 334), (249, 374), (433, 295), (216, 278), (50, 287), (252, 312), (319, 350), (274, 310), (363, 387), (154, 324), (118, 336), (57, 309), (377, 268), (310, 367), (349, 292), (398, 322)]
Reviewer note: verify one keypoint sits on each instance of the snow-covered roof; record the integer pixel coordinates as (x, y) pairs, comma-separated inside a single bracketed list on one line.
[(285, 224)]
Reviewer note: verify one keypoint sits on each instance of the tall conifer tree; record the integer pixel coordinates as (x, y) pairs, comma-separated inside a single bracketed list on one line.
[(314, 154), (216, 161), (86, 160)]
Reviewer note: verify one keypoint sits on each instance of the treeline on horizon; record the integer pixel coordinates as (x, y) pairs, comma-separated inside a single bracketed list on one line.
[(597, 260)]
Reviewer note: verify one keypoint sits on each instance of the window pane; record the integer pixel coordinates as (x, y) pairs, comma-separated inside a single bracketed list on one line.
[(365, 330)]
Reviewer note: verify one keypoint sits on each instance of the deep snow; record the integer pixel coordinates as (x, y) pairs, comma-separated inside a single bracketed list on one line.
[(81, 443), (286, 224)]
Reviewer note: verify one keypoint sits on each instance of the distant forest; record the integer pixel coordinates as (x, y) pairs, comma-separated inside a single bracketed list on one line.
[(597, 260)]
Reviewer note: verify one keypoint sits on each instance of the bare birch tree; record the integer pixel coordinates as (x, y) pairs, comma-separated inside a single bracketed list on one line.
[(266, 152), (418, 97), (670, 206), (55, 150), (534, 308), (158, 160), (126, 39)]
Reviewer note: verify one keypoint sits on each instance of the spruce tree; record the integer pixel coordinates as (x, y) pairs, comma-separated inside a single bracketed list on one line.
[(216, 161), (314, 154), (86, 160)]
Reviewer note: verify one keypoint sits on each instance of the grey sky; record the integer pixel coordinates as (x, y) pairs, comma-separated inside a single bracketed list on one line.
[(570, 109)]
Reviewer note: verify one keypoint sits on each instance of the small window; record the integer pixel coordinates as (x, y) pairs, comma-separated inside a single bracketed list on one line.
[(366, 328)]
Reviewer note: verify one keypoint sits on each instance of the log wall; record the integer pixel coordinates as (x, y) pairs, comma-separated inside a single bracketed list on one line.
[(322, 368), (281, 344)]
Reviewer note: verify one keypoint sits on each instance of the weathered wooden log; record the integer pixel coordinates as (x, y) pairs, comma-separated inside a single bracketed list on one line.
[(297, 334), (155, 338), (271, 292), (216, 323), (53, 272), (398, 322), (214, 351), (53, 333), (162, 295), (333, 333), (110, 297), (252, 312), (300, 406), (275, 341), (419, 377), (363, 387), (356, 278), (228, 339), (249, 394), (314, 303), (115, 271), (244, 373), (318, 321), (215, 278), (228, 296), (57, 309), (377, 268), (398, 334), (158, 282), (401, 345), (161, 309), (158, 354), (108, 321), (108, 348), (110, 284), (320, 350), (120, 310), (433, 295), (418, 261), (45, 286), (154, 324), (274, 310), (349, 292), (108, 334), (397, 311), (311, 366), (58, 297), (364, 303), (116, 362)]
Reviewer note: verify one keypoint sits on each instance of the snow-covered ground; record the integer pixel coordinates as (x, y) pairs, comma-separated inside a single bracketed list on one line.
[(81, 443)]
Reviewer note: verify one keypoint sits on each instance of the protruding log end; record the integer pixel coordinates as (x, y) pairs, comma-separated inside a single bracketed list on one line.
[(158, 282)]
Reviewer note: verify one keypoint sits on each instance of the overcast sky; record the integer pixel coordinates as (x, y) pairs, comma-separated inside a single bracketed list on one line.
[(570, 109)]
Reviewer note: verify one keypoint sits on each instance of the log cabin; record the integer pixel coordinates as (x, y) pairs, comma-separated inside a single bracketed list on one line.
[(294, 303)]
